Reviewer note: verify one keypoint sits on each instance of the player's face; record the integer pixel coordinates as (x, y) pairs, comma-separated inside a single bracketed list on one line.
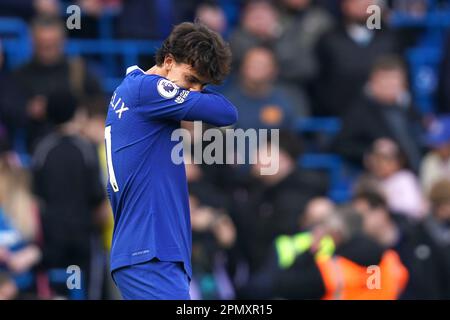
[(183, 75)]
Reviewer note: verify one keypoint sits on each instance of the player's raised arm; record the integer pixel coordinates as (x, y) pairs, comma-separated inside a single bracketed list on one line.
[(212, 108), (190, 58)]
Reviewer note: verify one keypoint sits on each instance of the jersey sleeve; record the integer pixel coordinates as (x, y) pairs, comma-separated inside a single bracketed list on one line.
[(212, 108), (160, 98)]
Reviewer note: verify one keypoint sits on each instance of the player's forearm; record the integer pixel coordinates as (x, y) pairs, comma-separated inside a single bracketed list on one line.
[(214, 109)]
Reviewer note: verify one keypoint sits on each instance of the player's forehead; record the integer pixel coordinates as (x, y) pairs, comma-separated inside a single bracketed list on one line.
[(189, 71)]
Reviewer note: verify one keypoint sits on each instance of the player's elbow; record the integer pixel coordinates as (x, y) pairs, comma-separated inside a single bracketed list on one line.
[(230, 117)]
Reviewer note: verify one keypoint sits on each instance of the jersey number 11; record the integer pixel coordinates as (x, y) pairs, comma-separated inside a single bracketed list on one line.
[(112, 175)]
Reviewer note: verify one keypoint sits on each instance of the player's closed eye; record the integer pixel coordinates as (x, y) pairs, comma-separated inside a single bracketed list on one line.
[(193, 80)]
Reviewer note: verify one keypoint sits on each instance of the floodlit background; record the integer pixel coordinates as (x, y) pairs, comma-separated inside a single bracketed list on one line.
[(363, 119)]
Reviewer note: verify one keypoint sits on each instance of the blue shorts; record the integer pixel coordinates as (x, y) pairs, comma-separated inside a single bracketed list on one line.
[(153, 280)]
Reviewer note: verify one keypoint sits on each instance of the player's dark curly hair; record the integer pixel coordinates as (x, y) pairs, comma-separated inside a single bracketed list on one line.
[(200, 47)]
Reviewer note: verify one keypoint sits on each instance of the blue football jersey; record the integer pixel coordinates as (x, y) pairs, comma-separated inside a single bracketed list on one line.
[(147, 190)]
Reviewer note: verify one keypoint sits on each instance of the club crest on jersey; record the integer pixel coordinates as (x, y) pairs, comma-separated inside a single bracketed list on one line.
[(167, 89)]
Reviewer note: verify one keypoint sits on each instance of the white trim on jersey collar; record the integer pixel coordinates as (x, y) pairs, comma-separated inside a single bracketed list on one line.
[(132, 68)]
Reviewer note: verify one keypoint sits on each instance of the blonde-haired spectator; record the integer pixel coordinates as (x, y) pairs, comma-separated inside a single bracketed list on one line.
[(19, 226)]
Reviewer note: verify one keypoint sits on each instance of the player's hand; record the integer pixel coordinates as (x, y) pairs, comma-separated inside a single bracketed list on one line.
[(224, 230), (202, 218)]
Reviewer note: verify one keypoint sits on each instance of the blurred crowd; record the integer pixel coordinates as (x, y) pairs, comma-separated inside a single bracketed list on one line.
[(254, 236)]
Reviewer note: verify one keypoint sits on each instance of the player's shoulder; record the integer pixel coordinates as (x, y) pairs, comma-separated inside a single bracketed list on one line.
[(135, 75), (151, 85)]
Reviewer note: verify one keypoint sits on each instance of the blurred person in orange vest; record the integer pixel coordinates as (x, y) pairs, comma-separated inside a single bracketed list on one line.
[(336, 260), (360, 269)]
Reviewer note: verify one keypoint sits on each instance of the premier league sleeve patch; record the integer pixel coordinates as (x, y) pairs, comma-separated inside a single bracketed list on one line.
[(167, 89)]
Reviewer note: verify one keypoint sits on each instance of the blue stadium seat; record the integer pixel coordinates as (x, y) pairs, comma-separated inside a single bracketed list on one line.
[(333, 165), (127, 50), (424, 66), (59, 276), (15, 41), (328, 125), (26, 280)]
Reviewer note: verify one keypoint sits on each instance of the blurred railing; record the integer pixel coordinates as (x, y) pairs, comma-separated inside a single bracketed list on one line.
[(332, 164), (127, 53), (116, 55), (425, 58)]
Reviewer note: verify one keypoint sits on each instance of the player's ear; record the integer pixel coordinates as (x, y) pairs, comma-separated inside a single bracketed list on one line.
[(169, 61)]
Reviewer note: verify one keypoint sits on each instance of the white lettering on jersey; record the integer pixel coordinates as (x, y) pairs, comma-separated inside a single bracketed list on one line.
[(115, 103), (182, 96)]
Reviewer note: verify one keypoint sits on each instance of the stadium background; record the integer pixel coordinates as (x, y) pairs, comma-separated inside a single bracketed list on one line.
[(362, 113)]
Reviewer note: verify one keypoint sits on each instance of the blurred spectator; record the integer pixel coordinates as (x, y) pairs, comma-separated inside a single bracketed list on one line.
[(92, 128), (260, 26), (11, 100), (425, 259), (261, 102), (385, 164), (436, 164), (308, 265), (292, 36), (444, 81), (384, 110), (271, 204), (19, 227), (440, 207), (214, 237), (346, 55), (27, 9), (316, 212), (51, 71), (67, 181), (143, 19), (213, 16), (302, 23)]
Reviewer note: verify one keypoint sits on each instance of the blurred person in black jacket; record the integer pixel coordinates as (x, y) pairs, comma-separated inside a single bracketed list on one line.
[(67, 182), (213, 237), (303, 23), (11, 105), (213, 16), (383, 111), (425, 258), (292, 32), (50, 71), (270, 204), (346, 55)]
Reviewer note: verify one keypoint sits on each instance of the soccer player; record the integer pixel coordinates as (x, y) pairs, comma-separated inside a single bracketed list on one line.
[(151, 246)]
